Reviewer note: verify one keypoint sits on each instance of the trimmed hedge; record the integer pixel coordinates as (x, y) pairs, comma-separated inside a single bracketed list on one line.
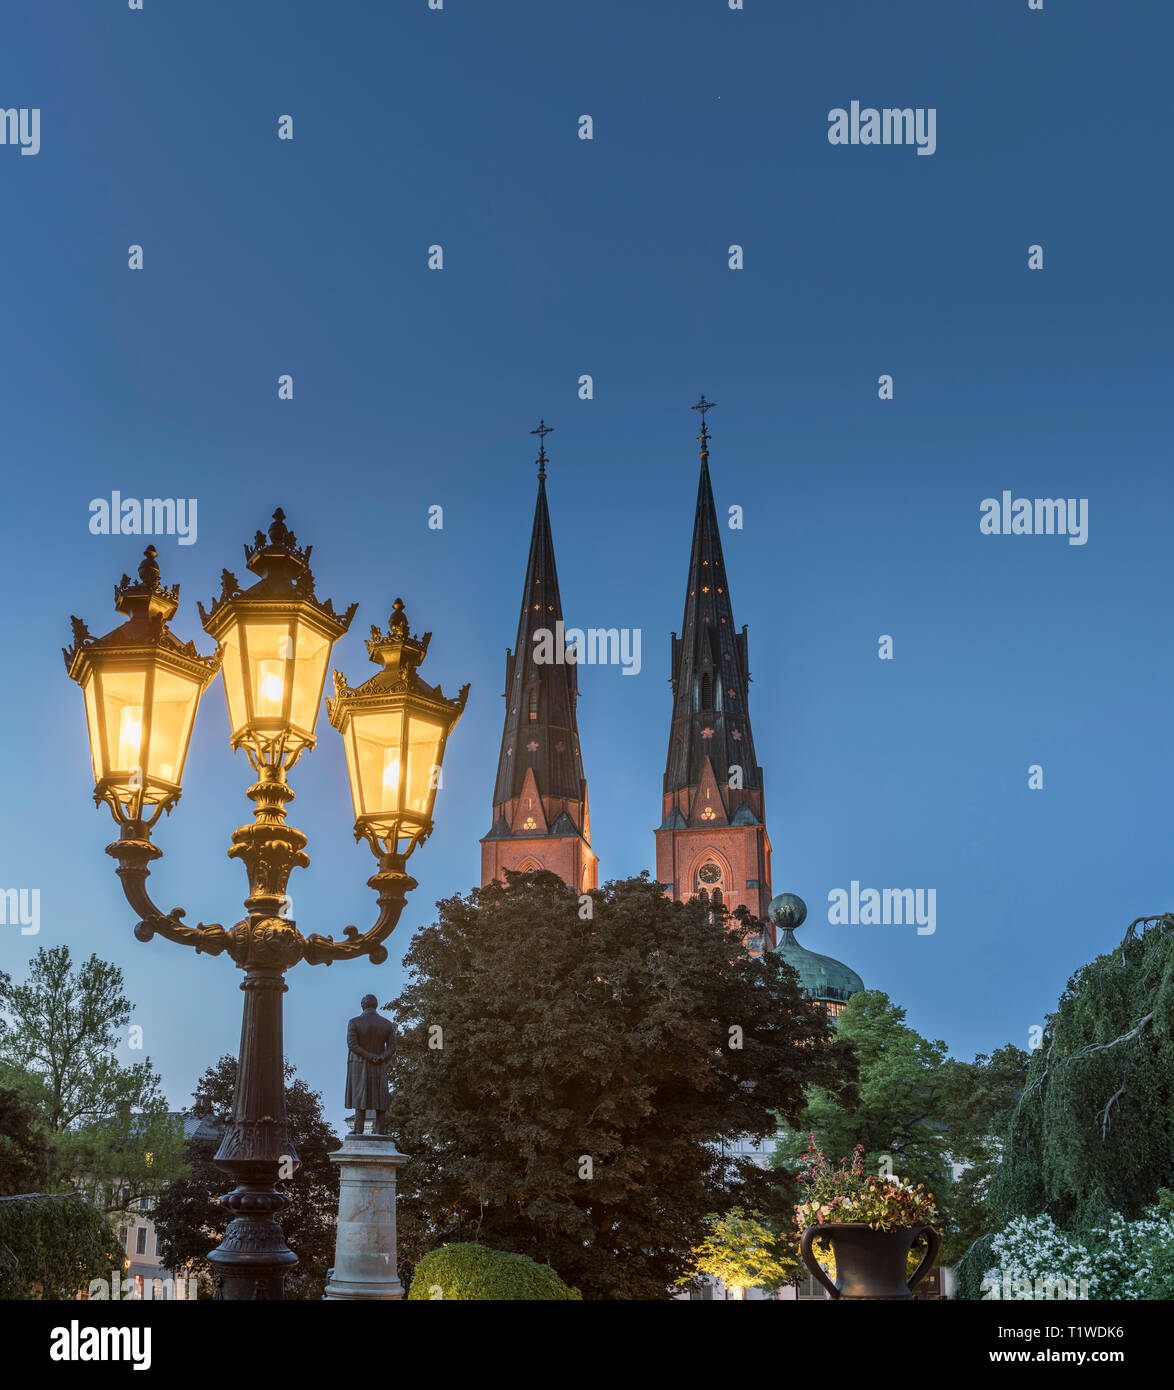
[(53, 1246), (468, 1272)]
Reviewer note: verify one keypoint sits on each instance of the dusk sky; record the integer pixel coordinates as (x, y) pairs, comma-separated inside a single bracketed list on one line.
[(610, 257)]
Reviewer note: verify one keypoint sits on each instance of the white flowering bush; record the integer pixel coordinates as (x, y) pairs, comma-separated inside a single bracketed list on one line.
[(1131, 1256), (1120, 1260), (1032, 1248)]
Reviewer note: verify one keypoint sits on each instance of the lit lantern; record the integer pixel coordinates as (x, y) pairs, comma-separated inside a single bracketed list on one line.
[(142, 686), (394, 729), (275, 639)]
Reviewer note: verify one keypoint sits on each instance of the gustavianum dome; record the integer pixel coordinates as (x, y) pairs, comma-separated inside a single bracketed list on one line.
[(821, 977)]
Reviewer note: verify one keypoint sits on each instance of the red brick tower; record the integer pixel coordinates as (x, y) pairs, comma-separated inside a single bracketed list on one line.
[(540, 817), (712, 835)]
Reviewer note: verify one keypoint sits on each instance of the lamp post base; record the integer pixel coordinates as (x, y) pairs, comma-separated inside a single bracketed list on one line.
[(365, 1250)]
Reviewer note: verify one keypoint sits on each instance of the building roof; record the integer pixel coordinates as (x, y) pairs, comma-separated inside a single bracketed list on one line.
[(821, 977), (202, 1127)]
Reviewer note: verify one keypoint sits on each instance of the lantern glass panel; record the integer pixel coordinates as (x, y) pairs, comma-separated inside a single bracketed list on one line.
[(270, 650), (348, 742), (311, 654), (173, 708), (91, 693), (424, 739), (121, 700), (234, 685), (377, 754)]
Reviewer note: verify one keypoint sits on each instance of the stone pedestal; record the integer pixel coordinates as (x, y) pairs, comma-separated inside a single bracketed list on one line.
[(365, 1252)]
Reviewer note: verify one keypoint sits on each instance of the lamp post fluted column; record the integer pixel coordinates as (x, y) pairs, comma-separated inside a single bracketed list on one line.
[(253, 1259)]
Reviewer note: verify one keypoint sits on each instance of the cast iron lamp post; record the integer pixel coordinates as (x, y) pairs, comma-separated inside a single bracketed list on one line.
[(142, 687)]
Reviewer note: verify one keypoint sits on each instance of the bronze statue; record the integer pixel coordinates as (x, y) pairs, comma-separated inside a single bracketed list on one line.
[(370, 1044)]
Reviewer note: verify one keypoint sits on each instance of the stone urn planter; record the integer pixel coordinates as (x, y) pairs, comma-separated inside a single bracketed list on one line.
[(869, 1263)]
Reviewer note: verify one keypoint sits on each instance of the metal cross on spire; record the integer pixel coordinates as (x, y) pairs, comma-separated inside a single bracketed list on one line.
[(542, 431), (703, 405)]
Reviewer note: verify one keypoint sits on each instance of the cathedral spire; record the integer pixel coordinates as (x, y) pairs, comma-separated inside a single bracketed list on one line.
[(710, 663), (540, 817), (712, 835)]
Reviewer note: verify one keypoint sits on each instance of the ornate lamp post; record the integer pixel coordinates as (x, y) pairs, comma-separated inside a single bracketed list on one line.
[(142, 687)]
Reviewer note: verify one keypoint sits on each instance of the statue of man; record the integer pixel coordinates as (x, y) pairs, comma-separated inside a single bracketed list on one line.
[(370, 1043)]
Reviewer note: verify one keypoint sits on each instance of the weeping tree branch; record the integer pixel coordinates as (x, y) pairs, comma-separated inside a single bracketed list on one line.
[(1088, 1051), (1132, 932), (1105, 1112)]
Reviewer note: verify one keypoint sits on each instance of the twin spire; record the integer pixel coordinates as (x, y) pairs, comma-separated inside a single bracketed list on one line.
[(540, 816), (540, 730)]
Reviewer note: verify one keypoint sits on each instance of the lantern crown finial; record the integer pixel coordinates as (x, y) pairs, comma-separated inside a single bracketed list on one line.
[(398, 650), (283, 573), (277, 560), (146, 597)]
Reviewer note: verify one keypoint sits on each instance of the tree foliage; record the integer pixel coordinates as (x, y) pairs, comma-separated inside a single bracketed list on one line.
[(26, 1154), (52, 1247), (571, 1087), (189, 1218), (896, 1109), (980, 1100), (744, 1252), (1094, 1131), (108, 1122), (66, 1025), (915, 1110)]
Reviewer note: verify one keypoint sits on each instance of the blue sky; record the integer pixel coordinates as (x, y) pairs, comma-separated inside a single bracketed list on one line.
[(609, 257)]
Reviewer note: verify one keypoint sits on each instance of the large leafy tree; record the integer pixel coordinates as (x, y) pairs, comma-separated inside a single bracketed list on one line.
[(916, 1111), (189, 1217), (25, 1150), (980, 1099), (570, 1080), (744, 1252), (108, 1120), (1094, 1130), (897, 1109)]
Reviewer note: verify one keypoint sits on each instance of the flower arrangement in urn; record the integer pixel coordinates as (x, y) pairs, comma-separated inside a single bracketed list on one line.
[(867, 1224)]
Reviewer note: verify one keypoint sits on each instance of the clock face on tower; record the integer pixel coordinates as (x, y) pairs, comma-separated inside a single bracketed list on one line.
[(709, 873)]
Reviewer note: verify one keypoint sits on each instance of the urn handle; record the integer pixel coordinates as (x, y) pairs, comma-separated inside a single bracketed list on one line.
[(933, 1241), (807, 1255)]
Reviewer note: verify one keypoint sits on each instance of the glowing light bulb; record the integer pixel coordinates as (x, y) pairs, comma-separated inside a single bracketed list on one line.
[(391, 774), (130, 735), (270, 687)]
